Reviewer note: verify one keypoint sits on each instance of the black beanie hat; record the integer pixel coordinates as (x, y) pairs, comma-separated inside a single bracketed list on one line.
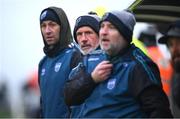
[(124, 21), (87, 20), (49, 14), (173, 31)]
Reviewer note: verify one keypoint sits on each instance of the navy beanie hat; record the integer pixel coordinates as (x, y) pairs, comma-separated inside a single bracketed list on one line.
[(124, 21), (49, 14), (87, 20)]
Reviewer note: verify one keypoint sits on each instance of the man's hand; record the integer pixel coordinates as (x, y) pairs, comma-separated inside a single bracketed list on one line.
[(102, 71)]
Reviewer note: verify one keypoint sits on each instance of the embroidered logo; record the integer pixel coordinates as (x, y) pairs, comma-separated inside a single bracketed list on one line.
[(78, 20), (111, 83), (43, 15), (57, 66), (43, 72), (93, 59)]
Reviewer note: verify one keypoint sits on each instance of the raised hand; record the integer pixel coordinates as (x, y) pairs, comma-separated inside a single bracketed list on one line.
[(102, 71)]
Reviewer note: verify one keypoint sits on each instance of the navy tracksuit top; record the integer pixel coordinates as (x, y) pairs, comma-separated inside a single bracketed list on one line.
[(113, 97), (53, 73)]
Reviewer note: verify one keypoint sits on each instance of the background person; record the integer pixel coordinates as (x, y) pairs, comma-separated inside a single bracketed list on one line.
[(148, 37), (172, 39)]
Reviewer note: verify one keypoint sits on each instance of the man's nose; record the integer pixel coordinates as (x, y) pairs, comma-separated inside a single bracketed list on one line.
[(103, 30), (47, 29), (84, 38)]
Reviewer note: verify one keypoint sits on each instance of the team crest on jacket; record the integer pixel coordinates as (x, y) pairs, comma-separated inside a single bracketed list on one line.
[(111, 83), (43, 71), (57, 66)]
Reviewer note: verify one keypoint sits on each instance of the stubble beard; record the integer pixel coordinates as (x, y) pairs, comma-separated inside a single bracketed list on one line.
[(110, 49)]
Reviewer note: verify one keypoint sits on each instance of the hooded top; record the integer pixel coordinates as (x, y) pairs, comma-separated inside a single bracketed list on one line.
[(54, 68), (65, 33)]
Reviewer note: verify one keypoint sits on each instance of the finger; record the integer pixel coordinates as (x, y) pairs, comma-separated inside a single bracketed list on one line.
[(105, 62), (105, 66)]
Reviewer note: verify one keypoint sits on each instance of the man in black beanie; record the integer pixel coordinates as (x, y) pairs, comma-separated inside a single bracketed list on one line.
[(132, 89), (86, 35), (172, 40), (60, 59), (86, 32)]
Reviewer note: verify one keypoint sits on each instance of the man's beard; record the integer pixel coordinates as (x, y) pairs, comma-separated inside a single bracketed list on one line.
[(176, 66)]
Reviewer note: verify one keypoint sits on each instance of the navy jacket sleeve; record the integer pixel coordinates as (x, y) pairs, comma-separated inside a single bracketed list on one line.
[(147, 88), (76, 58), (78, 87)]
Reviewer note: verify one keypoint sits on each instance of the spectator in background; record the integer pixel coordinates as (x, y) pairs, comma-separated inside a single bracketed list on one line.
[(5, 107), (148, 37), (60, 59), (172, 40), (31, 96)]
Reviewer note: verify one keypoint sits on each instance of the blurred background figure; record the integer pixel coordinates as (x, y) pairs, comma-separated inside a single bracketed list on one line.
[(148, 37), (4, 102), (172, 40), (31, 96)]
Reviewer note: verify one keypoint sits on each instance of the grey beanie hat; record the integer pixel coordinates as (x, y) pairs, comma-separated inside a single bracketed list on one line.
[(87, 20), (124, 21)]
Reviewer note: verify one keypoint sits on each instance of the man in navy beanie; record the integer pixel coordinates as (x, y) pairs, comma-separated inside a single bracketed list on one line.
[(86, 35), (86, 32), (58, 61), (132, 89)]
